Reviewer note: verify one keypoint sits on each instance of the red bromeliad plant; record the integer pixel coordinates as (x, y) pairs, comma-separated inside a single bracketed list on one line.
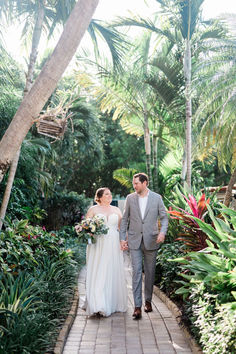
[(193, 237)]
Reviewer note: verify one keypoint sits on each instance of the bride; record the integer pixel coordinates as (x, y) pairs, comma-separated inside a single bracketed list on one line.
[(106, 290)]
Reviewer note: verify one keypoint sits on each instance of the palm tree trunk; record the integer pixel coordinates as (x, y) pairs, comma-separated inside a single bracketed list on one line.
[(155, 170), (147, 143), (29, 81), (187, 70), (34, 50), (184, 165), (46, 82), (9, 185), (228, 194)]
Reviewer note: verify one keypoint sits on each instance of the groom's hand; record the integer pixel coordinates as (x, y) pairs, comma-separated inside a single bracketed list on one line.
[(160, 238), (123, 245)]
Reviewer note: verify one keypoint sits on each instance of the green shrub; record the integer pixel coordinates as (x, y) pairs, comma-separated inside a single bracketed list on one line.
[(36, 290), (24, 246), (214, 323), (65, 209), (167, 272)]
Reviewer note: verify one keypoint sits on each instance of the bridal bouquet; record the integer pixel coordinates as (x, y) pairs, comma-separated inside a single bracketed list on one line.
[(89, 228)]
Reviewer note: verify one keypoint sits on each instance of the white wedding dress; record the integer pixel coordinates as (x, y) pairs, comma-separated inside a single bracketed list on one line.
[(106, 289)]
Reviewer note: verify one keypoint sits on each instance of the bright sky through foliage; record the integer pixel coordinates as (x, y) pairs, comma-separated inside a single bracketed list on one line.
[(108, 10)]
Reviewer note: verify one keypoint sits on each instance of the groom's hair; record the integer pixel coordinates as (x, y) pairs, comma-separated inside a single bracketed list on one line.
[(142, 177)]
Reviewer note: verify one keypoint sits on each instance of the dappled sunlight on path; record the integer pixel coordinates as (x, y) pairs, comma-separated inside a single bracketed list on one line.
[(156, 332)]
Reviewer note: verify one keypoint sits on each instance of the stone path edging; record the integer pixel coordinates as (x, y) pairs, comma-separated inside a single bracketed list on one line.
[(178, 314), (61, 339)]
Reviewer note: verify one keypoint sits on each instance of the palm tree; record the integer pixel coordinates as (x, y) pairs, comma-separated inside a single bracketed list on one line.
[(46, 82), (181, 29), (128, 95), (216, 111)]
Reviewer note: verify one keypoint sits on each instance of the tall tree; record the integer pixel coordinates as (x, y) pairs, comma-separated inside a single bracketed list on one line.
[(181, 29), (127, 94), (46, 82), (216, 112), (37, 14)]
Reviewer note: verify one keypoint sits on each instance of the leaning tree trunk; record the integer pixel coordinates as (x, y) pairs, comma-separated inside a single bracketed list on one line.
[(29, 81), (187, 71), (7, 193), (228, 194), (46, 82), (147, 142)]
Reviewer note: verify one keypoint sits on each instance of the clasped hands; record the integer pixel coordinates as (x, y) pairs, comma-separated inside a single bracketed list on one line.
[(124, 245)]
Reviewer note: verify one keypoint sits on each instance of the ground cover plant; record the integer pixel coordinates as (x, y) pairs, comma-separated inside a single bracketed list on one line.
[(38, 276)]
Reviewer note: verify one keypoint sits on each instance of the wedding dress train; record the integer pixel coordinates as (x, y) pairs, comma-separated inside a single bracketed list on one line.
[(106, 290)]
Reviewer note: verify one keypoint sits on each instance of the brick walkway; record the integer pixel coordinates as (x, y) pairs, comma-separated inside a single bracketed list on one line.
[(156, 333)]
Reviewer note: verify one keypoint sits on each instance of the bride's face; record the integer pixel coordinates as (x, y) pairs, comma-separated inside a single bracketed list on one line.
[(106, 197)]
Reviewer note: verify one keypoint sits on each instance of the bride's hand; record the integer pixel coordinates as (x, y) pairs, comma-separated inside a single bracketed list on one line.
[(124, 245)]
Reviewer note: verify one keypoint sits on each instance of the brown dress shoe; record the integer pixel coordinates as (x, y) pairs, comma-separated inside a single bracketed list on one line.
[(148, 306), (137, 313)]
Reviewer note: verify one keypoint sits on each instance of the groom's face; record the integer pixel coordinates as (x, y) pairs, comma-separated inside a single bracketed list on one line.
[(138, 185)]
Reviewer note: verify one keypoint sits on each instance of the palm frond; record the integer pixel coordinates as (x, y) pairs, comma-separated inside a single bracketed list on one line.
[(115, 41), (125, 177)]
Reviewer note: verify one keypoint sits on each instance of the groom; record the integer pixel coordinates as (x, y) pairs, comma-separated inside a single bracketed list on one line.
[(140, 219)]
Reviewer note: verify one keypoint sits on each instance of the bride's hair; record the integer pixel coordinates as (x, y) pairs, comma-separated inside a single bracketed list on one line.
[(99, 193)]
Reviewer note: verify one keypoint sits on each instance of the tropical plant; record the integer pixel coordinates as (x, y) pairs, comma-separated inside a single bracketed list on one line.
[(125, 177), (75, 34), (212, 322), (216, 114), (184, 18), (192, 235), (215, 266)]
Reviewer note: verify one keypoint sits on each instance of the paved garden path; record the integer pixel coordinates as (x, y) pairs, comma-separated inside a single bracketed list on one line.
[(156, 332)]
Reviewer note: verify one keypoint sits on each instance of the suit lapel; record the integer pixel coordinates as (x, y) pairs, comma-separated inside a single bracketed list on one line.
[(149, 202), (137, 205)]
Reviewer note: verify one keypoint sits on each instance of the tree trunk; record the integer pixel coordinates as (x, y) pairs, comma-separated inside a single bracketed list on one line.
[(155, 172), (34, 50), (228, 194), (7, 193), (29, 81), (147, 142), (46, 82), (187, 71), (184, 165)]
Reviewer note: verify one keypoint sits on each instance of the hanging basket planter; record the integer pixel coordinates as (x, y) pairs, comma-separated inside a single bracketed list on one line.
[(51, 126)]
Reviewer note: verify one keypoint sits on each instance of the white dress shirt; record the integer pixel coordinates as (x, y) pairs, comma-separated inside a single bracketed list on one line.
[(143, 204)]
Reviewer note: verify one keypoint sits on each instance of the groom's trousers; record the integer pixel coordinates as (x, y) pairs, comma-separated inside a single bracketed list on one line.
[(137, 257)]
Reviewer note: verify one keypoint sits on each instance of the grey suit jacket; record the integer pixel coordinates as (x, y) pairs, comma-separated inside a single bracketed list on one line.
[(146, 228)]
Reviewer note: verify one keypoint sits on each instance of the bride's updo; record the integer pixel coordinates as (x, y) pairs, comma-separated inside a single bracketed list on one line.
[(99, 193)]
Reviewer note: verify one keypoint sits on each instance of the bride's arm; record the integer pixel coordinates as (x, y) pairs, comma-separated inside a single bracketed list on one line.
[(119, 216), (90, 212)]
